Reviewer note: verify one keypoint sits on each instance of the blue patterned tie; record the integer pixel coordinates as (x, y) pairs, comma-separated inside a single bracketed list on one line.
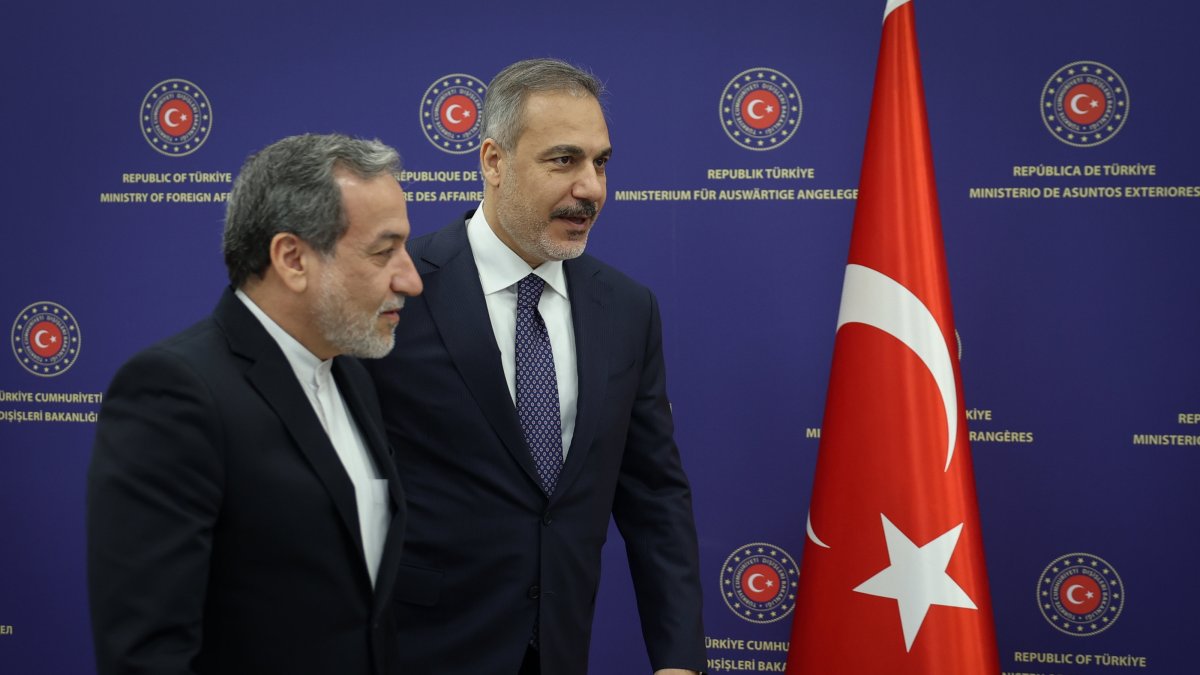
[(537, 387)]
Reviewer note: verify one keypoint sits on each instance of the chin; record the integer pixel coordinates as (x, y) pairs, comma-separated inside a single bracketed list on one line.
[(564, 250)]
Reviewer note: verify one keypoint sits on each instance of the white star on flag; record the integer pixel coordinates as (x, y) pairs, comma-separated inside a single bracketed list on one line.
[(917, 577)]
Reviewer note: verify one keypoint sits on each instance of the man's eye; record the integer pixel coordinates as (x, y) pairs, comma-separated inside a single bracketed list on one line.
[(563, 161), (386, 253), (601, 162)]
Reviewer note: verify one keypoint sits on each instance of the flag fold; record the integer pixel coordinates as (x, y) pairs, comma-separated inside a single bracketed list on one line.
[(893, 578)]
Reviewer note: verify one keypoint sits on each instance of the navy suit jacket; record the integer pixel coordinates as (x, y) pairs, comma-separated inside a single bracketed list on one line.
[(223, 531), (486, 551)]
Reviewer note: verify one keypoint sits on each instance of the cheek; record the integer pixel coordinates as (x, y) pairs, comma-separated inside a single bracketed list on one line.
[(366, 285), (381, 283)]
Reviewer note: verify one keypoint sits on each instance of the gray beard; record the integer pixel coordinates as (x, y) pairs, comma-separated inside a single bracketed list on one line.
[(351, 333)]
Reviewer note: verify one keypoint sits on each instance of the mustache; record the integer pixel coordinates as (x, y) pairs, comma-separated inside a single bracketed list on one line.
[(581, 209), (396, 304)]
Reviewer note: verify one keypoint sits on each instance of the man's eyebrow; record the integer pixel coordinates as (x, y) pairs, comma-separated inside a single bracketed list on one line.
[(565, 149), (572, 151), (391, 237)]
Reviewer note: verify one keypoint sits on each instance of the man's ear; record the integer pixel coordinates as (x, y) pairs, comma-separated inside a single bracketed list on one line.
[(491, 161), (291, 260)]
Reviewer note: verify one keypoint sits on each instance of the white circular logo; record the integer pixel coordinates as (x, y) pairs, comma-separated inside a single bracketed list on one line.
[(1080, 594), (46, 339), (450, 113), (1085, 103), (760, 109), (758, 583), (175, 117)]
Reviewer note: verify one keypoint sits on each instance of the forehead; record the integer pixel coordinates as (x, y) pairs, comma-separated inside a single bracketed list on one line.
[(561, 118), (373, 206)]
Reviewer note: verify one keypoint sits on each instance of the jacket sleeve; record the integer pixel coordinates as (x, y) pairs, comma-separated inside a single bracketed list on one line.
[(154, 493), (653, 510)]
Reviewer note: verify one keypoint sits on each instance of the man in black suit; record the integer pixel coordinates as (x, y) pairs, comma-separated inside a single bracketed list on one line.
[(527, 403), (244, 513)]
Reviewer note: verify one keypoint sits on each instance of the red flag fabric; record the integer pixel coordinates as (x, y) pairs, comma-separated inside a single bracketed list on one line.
[(893, 579)]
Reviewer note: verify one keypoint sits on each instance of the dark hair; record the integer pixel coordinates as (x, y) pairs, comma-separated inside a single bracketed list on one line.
[(289, 186)]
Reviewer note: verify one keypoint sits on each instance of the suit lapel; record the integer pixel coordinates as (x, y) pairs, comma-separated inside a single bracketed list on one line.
[(376, 441), (591, 320), (456, 305), (274, 379)]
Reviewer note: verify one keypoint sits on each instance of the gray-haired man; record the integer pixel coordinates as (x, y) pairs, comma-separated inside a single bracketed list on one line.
[(244, 513)]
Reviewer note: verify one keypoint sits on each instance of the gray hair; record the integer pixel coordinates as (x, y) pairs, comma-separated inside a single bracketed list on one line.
[(289, 186), (504, 103)]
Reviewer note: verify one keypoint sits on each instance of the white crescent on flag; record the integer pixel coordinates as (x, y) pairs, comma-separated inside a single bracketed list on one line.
[(874, 299)]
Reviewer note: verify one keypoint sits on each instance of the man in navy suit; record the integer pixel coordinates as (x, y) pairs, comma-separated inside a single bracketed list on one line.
[(244, 512), (527, 403)]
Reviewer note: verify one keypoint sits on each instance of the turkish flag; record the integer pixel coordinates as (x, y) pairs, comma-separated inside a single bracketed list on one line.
[(893, 579)]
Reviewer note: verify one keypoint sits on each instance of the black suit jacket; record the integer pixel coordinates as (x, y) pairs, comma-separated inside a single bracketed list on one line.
[(486, 551), (223, 533)]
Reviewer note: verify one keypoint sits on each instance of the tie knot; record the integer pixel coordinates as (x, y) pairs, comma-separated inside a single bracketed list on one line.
[(529, 290)]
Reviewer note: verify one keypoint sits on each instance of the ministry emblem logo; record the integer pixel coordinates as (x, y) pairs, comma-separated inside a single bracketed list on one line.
[(1080, 594), (1085, 103), (758, 583), (46, 339), (450, 113), (175, 117), (760, 109)]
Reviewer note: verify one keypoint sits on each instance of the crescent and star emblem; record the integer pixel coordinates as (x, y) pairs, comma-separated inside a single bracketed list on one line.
[(450, 114), (1075, 104), (750, 109), (168, 115), (37, 339), (1071, 594)]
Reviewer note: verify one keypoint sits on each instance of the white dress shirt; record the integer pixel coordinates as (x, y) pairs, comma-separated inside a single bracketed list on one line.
[(316, 378), (499, 271)]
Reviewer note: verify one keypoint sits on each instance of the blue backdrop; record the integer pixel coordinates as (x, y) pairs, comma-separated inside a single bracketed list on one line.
[(1072, 262)]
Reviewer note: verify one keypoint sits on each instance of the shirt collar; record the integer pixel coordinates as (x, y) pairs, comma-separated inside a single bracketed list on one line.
[(310, 370), (500, 267)]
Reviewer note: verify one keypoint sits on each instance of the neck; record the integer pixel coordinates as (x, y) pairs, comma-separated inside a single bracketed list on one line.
[(290, 313)]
